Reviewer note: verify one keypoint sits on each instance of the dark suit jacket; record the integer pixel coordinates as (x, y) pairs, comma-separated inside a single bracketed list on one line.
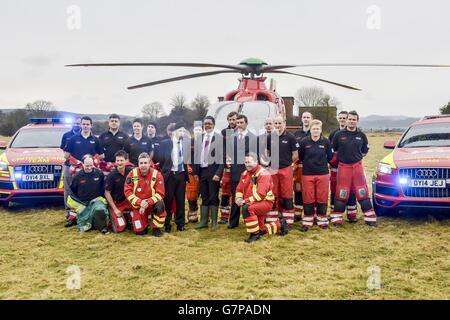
[(216, 156), (239, 149), (165, 157)]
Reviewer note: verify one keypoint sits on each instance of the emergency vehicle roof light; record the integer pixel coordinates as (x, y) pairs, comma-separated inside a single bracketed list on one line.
[(47, 120)]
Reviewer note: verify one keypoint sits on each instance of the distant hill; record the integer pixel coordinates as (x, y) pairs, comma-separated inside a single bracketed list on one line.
[(376, 122)]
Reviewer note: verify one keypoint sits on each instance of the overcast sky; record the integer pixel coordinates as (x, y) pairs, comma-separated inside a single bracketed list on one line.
[(39, 37)]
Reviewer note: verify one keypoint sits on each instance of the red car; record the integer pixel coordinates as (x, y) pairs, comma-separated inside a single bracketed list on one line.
[(416, 174), (31, 165)]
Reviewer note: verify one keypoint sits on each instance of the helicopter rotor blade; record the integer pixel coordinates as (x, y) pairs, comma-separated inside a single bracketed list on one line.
[(360, 65), (314, 78), (239, 68), (185, 77)]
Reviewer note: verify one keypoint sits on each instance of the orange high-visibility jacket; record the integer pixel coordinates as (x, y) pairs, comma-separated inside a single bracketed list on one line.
[(139, 187), (255, 186)]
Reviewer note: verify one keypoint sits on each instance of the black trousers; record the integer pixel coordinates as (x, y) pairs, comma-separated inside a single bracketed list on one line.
[(235, 210), (209, 189), (175, 188)]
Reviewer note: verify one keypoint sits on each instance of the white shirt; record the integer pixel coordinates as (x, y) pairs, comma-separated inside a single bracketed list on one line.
[(208, 136), (175, 150)]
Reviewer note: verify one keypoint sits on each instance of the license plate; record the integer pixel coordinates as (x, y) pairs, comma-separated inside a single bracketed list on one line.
[(37, 177), (422, 183)]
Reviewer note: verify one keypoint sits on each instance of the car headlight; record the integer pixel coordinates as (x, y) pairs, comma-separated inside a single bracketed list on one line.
[(384, 168), (3, 166)]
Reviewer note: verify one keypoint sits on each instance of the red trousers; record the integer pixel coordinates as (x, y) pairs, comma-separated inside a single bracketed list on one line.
[(315, 189), (225, 207), (140, 221), (120, 223), (351, 177), (255, 222), (282, 183)]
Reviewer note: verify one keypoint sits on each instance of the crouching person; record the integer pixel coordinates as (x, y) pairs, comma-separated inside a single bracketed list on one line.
[(119, 207), (144, 189), (254, 195), (86, 201)]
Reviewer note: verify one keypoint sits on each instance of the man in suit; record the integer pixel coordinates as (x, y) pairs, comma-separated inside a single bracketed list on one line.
[(174, 156), (242, 142), (209, 169)]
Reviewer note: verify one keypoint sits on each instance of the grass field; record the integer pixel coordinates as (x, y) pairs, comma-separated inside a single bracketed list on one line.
[(411, 253)]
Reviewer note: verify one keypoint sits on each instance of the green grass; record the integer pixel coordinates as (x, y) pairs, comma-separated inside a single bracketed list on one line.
[(412, 253)]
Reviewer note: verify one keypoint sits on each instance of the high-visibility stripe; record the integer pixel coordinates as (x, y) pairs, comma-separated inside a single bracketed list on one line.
[(275, 228), (251, 223), (153, 181), (158, 218), (255, 229), (269, 228), (370, 219), (158, 196), (135, 179), (71, 203), (239, 195), (5, 192), (334, 170), (251, 199), (308, 224), (308, 218), (288, 214), (158, 224)]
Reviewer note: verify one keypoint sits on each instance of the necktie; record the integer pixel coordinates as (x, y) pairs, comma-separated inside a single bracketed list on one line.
[(206, 151), (180, 157)]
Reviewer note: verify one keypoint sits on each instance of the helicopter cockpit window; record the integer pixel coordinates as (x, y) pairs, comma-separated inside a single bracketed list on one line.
[(257, 112)]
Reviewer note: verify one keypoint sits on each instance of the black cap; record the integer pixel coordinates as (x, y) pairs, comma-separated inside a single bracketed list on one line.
[(151, 123)]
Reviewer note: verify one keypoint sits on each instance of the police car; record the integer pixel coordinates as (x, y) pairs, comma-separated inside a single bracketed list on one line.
[(416, 174), (31, 166)]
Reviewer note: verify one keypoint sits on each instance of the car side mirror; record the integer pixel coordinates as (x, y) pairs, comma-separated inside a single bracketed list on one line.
[(390, 144), (3, 145)]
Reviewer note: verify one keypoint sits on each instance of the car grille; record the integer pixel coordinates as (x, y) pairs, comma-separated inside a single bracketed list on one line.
[(40, 169), (422, 173)]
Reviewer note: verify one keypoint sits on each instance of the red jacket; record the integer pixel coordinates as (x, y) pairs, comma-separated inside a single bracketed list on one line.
[(139, 187), (255, 186)]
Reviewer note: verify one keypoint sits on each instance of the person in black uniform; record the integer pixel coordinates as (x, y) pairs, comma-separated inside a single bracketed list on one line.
[(86, 198), (114, 192), (242, 142), (315, 153), (138, 143), (175, 155), (351, 204), (225, 183), (75, 149), (76, 129), (152, 130), (351, 146), (112, 141), (209, 169)]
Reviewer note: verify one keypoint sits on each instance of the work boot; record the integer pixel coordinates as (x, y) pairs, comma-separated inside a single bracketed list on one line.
[(352, 220), (204, 212), (253, 237), (372, 224), (69, 223), (304, 228), (223, 221), (284, 230), (156, 233), (214, 217)]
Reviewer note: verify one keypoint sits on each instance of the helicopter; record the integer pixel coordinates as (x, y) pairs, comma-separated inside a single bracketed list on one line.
[(252, 97)]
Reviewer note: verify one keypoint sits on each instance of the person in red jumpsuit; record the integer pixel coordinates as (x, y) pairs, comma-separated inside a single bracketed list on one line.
[(351, 146), (144, 189), (315, 152), (254, 195)]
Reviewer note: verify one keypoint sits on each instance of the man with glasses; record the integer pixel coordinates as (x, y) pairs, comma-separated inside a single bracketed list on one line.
[(208, 169)]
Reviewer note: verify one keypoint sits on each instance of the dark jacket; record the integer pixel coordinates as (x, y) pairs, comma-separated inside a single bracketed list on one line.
[(216, 157), (239, 149), (165, 156)]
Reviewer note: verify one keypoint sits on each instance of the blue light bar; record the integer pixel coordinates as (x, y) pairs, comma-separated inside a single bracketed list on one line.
[(403, 180), (48, 120), (18, 176)]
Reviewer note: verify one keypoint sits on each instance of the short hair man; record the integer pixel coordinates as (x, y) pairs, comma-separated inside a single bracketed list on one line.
[(144, 189), (112, 141)]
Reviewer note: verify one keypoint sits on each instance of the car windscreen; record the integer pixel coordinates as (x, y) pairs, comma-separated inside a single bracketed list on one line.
[(426, 135), (38, 138)]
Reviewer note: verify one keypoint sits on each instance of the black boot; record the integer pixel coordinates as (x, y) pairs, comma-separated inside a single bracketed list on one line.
[(372, 224), (214, 216), (284, 230), (69, 223), (304, 228), (156, 233), (253, 237), (353, 220)]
